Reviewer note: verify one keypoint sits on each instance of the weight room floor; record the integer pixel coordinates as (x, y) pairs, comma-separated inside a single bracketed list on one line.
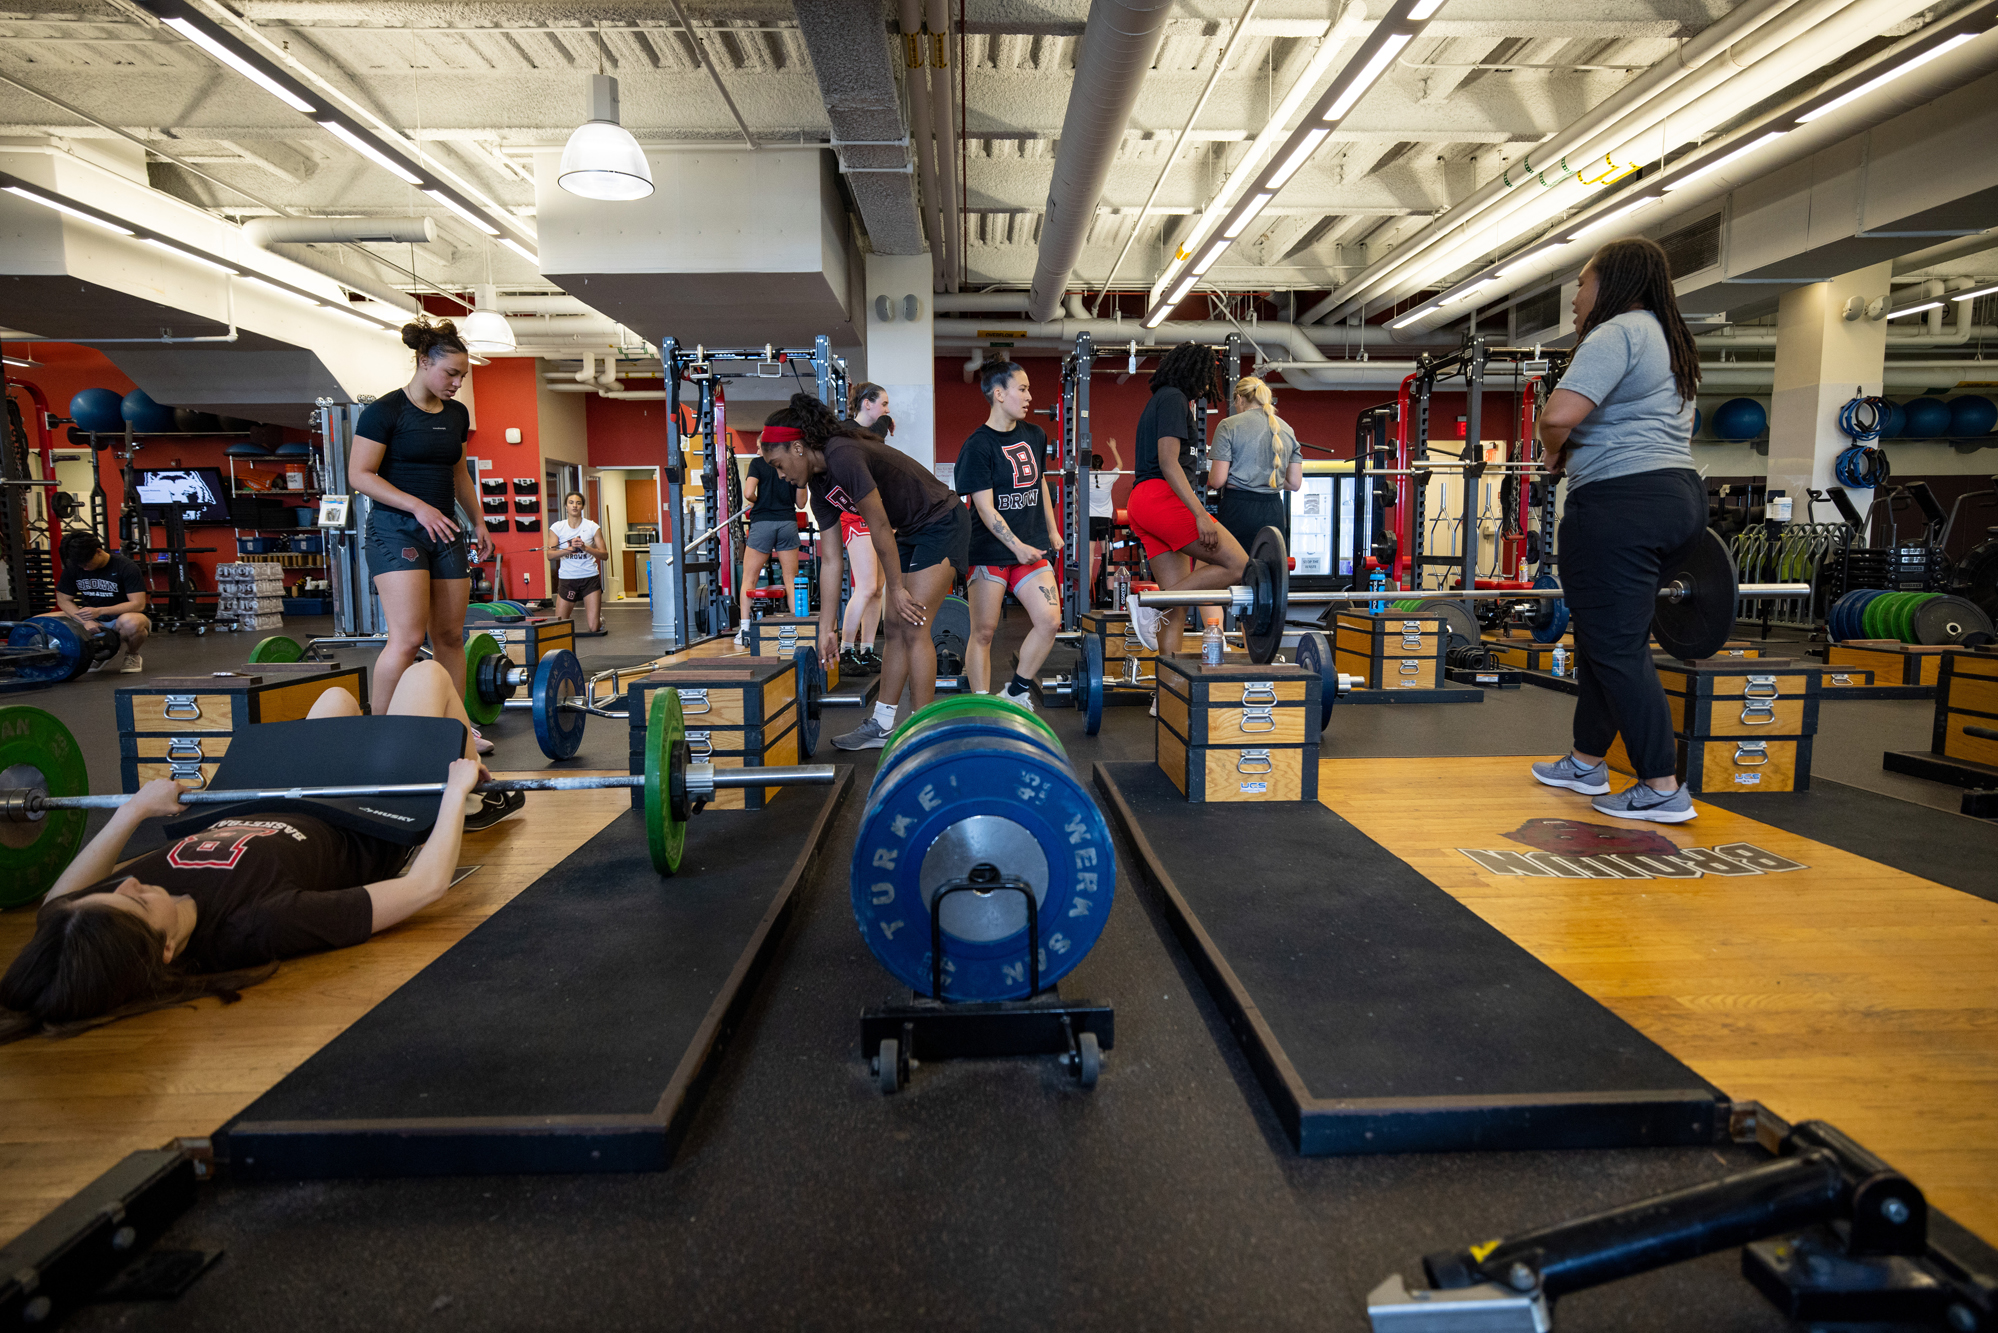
[(1168, 1196)]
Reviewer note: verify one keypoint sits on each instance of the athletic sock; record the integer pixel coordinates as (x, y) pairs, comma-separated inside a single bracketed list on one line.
[(1021, 684), (884, 716)]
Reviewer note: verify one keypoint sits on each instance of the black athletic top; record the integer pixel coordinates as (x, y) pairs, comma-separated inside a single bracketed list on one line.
[(776, 498), (113, 584), (424, 449), (910, 492), (268, 888), (1168, 413), (1008, 464)]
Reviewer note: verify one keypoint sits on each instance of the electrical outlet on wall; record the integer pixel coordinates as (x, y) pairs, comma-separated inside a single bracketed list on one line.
[(526, 577)]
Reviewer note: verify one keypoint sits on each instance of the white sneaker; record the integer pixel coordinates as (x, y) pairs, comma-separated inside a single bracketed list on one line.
[(134, 664), (742, 636), (1145, 624), (1024, 698)]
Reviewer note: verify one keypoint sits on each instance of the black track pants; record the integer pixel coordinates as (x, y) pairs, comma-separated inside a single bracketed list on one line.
[(1616, 537)]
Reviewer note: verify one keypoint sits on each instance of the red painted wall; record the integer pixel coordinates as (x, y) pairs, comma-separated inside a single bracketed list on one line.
[(505, 392)]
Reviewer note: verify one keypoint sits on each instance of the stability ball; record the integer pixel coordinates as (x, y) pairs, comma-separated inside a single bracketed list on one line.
[(96, 411), (1893, 420), (1972, 414), (147, 417), (1927, 418), (1696, 422), (1739, 419)]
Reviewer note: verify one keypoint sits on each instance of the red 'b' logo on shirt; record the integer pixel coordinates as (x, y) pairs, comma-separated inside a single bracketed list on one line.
[(215, 849)]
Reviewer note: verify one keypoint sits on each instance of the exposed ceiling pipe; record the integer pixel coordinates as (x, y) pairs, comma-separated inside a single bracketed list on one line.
[(1119, 43), (854, 67), (1948, 250), (943, 114), (949, 301), (552, 304), (1706, 61), (401, 301), (267, 232), (922, 134), (1111, 335)]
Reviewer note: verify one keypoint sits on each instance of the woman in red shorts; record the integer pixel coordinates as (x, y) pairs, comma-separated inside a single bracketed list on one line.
[(863, 608), (1187, 548)]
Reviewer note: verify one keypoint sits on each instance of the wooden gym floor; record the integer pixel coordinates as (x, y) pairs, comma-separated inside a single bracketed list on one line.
[(1847, 991)]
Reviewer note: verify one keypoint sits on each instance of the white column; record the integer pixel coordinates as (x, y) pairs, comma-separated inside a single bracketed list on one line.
[(1824, 358), (901, 351)]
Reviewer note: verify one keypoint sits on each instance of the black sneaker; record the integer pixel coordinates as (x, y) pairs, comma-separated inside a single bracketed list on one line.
[(494, 806)]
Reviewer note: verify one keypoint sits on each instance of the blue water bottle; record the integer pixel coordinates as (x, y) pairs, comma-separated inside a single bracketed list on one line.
[(1377, 583), (801, 597)]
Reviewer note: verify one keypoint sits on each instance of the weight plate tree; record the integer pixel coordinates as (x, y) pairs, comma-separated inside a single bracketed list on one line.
[(958, 804)]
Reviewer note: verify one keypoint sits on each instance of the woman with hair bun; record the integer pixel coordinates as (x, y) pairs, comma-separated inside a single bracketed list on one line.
[(1253, 460), (409, 458), (921, 536)]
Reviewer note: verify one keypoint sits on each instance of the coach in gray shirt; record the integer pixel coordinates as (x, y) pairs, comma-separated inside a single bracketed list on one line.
[(1620, 427)]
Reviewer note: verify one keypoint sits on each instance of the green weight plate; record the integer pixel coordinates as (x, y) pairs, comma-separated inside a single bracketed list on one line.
[(36, 750), (1905, 621), (1870, 618), (1891, 622), (483, 712), (278, 648), (665, 782), (955, 704)]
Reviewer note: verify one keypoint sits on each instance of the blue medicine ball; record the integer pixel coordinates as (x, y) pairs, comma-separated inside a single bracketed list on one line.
[(1927, 418), (1893, 420), (1972, 414), (1740, 419), (147, 417), (97, 410)]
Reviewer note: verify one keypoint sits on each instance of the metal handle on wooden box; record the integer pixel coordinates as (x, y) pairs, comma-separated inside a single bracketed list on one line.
[(1758, 713), (700, 745), (184, 761), (182, 708), (1751, 754), (692, 696), (1255, 761)]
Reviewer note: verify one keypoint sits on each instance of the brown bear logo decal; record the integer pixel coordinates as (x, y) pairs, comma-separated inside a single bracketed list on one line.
[(1572, 837)]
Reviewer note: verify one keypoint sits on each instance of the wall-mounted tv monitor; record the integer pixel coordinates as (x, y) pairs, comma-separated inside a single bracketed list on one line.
[(199, 493)]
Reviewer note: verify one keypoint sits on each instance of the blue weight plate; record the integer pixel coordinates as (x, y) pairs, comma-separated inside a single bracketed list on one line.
[(59, 636), (1839, 621), (558, 730), (962, 803), (1856, 618), (1549, 620), (1314, 654), (1091, 683), (994, 724), (811, 684)]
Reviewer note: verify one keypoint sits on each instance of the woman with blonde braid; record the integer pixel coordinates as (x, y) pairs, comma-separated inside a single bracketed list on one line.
[(1255, 455)]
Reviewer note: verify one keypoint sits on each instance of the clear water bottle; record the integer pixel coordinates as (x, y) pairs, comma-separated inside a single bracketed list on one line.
[(801, 597), (1210, 645), (1123, 592), (1560, 659)]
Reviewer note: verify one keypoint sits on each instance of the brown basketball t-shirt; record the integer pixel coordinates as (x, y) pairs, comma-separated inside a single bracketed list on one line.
[(910, 492)]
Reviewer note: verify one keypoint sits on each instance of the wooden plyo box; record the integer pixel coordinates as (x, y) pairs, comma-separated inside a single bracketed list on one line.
[(782, 636), (179, 726), (1390, 650), (739, 712), (1741, 725), (1967, 696), (526, 642), (1113, 630), (1891, 661), (1238, 731)]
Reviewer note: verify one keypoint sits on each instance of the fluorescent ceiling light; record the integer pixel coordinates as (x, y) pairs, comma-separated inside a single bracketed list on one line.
[(369, 151), (1160, 317), (1214, 252), (1720, 162), (463, 212), (192, 257), (1298, 157), (1974, 293), (63, 208), (1256, 205), (240, 65), (277, 290), (1469, 291), (1523, 260), (1613, 217), (1914, 309), (1371, 71), (1940, 48), (1179, 292), (522, 251), (1425, 11), (1409, 319)]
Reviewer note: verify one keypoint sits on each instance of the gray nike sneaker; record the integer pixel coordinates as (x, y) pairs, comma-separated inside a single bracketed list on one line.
[(869, 735), (1565, 772), (1641, 802)]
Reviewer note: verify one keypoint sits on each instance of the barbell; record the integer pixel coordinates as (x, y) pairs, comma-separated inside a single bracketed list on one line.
[(44, 793), (1695, 615)]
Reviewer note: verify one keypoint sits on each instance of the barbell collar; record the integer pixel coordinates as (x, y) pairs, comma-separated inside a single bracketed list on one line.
[(1239, 597), (704, 780)]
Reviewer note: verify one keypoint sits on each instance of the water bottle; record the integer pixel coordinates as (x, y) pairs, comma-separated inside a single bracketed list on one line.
[(1210, 645), (1123, 593), (801, 597), (1560, 659), (1377, 583)]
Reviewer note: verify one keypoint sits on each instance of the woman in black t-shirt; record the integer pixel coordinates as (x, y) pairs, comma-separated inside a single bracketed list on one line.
[(772, 524), (409, 458), (920, 532), (210, 912), (999, 471)]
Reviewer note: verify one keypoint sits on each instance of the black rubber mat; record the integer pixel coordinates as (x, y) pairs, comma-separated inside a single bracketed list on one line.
[(583, 997), (1939, 845), (1364, 983)]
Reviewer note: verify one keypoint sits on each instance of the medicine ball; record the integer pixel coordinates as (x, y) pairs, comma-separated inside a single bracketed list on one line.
[(98, 411), (1740, 419), (1972, 414), (1927, 418), (147, 417)]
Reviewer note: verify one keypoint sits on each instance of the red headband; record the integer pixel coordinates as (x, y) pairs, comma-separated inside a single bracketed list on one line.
[(780, 435)]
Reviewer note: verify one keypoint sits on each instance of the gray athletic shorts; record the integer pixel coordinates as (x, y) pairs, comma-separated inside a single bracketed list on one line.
[(396, 541), (770, 535)]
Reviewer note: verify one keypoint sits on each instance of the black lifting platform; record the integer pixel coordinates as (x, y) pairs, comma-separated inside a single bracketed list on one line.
[(895, 1036)]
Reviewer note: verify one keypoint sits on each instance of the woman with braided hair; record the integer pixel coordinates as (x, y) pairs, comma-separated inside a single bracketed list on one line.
[(1254, 459), (920, 532), (1620, 428)]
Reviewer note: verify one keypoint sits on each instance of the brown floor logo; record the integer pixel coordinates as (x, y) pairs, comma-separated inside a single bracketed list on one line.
[(1572, 849)]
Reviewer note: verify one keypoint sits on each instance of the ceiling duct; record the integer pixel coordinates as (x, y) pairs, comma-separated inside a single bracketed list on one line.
[(1119, 44), (267, 232), (864, 105)]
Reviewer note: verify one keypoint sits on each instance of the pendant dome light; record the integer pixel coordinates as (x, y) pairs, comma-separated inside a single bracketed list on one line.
[(486, 329), (602, 160)]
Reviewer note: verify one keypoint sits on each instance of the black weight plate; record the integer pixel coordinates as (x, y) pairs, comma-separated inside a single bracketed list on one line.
[(950, 630), (558, 679), (1944, 620), (1458, 621), (1314, 654), (1269, 574), (1090, 687), (1698, 625), (50, 634), (811, 685)]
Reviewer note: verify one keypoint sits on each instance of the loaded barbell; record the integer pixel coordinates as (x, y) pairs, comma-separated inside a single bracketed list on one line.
[(43, 793), (1696, 603)]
